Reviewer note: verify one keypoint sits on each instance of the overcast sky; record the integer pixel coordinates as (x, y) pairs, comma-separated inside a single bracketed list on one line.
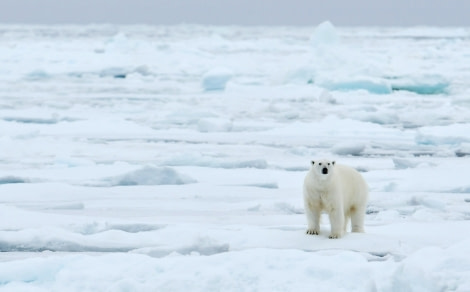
[(240, 12)]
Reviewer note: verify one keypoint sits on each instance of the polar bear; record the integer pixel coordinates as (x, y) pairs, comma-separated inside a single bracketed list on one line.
[(338, 190)]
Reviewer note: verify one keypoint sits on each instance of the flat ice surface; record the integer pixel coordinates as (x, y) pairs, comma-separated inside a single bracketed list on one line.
[(143, 158)]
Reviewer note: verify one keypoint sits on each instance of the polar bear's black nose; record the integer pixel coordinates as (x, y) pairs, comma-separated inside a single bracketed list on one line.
[(325, 170)]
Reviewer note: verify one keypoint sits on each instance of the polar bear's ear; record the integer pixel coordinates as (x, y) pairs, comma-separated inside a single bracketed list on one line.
[(313, 162), (333, 162)]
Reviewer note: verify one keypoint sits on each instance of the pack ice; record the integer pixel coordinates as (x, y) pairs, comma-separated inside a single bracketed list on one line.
[(153, 158)]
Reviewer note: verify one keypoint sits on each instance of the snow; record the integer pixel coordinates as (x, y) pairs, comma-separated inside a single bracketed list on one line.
[(144, 158)]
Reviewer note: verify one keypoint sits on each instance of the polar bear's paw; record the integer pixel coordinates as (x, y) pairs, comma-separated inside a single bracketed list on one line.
[(312, 231), (334, 236)]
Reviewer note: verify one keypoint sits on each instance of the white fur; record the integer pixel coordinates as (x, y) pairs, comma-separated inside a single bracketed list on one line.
[(342, 193)]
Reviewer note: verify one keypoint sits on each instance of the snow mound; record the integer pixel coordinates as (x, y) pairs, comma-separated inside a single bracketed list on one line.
[(271, 271), (216, 79), (202, 246), (151, 176), (445, 270)]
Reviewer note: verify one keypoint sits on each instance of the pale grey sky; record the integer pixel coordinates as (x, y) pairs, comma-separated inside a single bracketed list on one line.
[(241, 12)]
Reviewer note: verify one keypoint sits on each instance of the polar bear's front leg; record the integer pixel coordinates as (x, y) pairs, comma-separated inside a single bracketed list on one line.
[(337, 222), (313, 220)]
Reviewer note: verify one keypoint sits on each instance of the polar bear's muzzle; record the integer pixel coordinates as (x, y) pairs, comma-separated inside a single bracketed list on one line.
[(324, 170)]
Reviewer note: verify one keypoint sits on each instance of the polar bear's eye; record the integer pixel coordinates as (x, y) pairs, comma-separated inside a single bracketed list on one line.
[(328, 164), (320, 163)]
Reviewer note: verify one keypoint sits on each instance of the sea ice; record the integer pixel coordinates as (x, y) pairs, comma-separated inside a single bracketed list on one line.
[(144, 158)]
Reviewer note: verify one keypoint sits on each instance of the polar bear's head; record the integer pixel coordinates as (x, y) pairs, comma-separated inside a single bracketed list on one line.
[(323, 168)]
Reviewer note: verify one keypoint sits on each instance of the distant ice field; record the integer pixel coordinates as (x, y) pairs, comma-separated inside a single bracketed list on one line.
[(151, 158)]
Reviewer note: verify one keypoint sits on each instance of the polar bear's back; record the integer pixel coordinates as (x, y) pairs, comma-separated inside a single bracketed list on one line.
[(352, 184)]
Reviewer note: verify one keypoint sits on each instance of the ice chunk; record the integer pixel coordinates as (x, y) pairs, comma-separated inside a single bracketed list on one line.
[(216, 79), (100, 227), (199, 160), (370, 84), (302, 75), (379, 116), (327, 97), (351, 148), (453, 134), (288, 208), (68, 206), (390, 187), (143, 70), (60, 240), (403, 163), (256, 163), (12, 180), (37, 75), (116, 72), (151, 176), (31, 120), (325, 34), (124, 72), (428, 84), (120, 42), (268, 185), (214, 125), (67, 161), (427, 202), (464, 150)]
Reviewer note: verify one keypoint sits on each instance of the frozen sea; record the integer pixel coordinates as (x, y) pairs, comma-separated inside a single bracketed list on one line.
[(152, 158)]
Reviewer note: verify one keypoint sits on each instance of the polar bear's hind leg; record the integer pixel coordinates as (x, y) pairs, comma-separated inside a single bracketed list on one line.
[(357, 219)]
